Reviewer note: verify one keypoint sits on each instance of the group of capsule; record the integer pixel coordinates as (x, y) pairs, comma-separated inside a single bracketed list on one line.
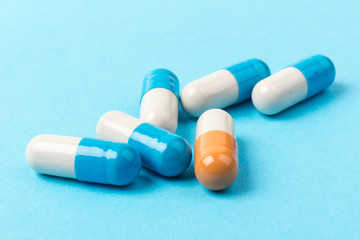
[(126, 143)]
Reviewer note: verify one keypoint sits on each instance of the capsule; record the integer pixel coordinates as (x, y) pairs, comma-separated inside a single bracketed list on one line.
[(215, 157), (293, 85), (160, 99), (223, 88), (84, 159), (160, 150)]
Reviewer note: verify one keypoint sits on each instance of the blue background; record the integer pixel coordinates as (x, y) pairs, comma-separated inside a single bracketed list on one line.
[(64, 63)]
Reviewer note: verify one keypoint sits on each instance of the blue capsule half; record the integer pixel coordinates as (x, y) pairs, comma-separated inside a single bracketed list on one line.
[(160, 150), (85, 159)]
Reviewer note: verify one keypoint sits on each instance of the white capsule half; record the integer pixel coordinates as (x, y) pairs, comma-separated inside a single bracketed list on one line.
[(223, 88), (116, 126), (280, 91), (217, 90), (159, 102), (53, 154), (215, 119), (160, 107)]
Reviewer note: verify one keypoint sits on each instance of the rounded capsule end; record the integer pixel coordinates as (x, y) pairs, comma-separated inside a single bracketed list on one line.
[(52, 154), (215, 119), (116, 126), (161, 78), (217, 169), (319, 72), (262, 67), (216, 159), (161, 151), (123, 169), (31, 152), (253, 69), (176, 157), (101, 124), (265, 99), (192, 100)]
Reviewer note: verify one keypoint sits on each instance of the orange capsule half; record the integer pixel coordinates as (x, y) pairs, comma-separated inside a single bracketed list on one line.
[(216, 156)]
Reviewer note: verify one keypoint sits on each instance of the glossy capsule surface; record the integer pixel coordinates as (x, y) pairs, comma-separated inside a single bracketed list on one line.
[(161, 150), (293, 84), (160, 99), (223, 88), (216, 156), (85, 159)]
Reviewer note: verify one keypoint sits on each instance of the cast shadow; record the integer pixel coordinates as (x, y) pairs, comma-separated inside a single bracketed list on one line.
[(243, 183), (188, 175), (310, 106), (243, 109), (186, 126), (142, 184)]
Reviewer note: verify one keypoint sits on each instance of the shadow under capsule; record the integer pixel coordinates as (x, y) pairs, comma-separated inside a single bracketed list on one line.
[(242, 109), (186, 127), (188, 175), (142, 184)]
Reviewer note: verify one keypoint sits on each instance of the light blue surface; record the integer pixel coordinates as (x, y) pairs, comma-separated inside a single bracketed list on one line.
[(64, 64), (106, 162), (247, 74)]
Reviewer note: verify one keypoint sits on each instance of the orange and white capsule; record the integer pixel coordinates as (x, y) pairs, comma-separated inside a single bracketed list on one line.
[(216, 157)]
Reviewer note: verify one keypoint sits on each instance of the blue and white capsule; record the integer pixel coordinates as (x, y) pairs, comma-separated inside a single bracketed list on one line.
[(161, 151), (84, 159), (223, 88), (293, 84), (160, 99)]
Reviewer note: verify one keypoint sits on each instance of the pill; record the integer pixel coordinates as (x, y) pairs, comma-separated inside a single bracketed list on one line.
[(84, 159), (161, 150), (215, 151), (223, 88), (159, 100), (293, 84)]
